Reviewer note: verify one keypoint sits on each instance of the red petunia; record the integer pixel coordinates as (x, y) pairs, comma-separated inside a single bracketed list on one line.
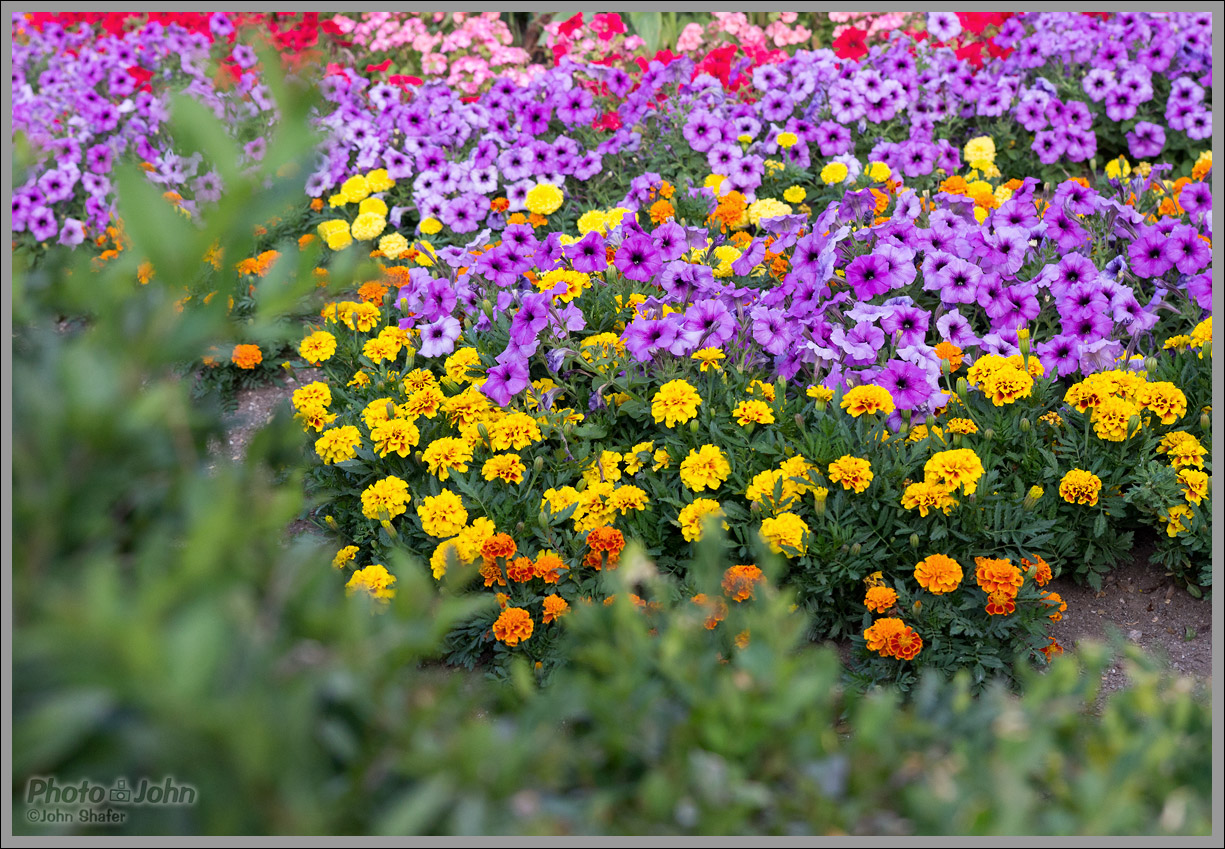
[(570, 25), (851, 44), (379, 68)]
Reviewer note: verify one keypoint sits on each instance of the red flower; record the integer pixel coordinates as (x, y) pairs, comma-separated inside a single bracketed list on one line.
[(608, 25), (570, 25), (851, 44), (337, 70), (971, 53), (379, 68), (403, 81)]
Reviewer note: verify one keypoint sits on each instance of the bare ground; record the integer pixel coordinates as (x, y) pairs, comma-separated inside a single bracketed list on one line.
[(1137, 600)]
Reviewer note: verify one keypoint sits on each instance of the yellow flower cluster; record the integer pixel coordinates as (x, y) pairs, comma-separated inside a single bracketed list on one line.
[(867, 399), (705, 467), (675, 403), (786, 534), (693, 516), (1080, 487)]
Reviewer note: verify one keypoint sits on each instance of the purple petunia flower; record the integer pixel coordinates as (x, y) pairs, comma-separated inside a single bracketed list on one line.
[(1152, 255), (869, 276), (906, 383), (438, 338), (587, 254), (502, 382), (637, 258)]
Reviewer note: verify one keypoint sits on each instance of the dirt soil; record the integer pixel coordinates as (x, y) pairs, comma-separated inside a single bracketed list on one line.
[(1137, 600)]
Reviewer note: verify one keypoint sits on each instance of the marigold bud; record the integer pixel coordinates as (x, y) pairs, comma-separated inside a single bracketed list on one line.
[(856, 548), (538, 463), (391, 410), (1024, 424), (914, 541), (1205, 421), (693, 426), (963, 388), (1150, 364), (1032, 497), (330, 521), (799, 420), (989, 434)]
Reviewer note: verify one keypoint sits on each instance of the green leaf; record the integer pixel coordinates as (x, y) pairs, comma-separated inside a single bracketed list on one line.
[(648, 25)]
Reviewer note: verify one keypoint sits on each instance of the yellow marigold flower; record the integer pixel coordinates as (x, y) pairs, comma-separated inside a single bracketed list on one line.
[(626, 498), (787, 139), (374, 580), (315, 416), (962, 426), (662, 460), (513, 626), (576, 283), (675, 403), (880, 599), (398, 436), (338, 444), (442, 515), (447, 454), (246, 356), (764, 209), (443, 553), (1183, 449), (785, 534), (794, 194), (312, 393), (878, 172), (753, 412), (1007, 384), (1178, 343), (938, 574), (516, 430), (1175, 519), (544, 199), (389, 495), (979, 152), (355, 189), (822, 394), (834, 172), (709, 358), (852, 472), (705, 467), (362, 317), (1165, 399), (557, 500), (430, 226), (1194, 485), (344, 557), (1080, 487), (1110, 419), (927, 496), (692, 517), (867, 399), (1203, 164), (506, 467), (367, 226), (604, 468), (463, 365), (959, 467), (757, 387), (379, 349), (1118, 169), (634, 457), (393, 245), (375, 205)]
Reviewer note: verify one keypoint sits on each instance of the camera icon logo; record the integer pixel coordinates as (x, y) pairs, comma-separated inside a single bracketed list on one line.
[(120, 792)]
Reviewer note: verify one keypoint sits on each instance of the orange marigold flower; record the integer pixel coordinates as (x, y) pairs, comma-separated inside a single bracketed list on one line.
[(246, 356), (880, 599), (998, 576), (492, 573), (554, 608), (938, 574), (498, 545), (499, 204), (879, 633), (316, 204), (1055, 600), (1040, 568), (1001, 604), (739, 581), (513, 625), (661, 211), (1053, 650), (716, 609), (372, 292), (604, 541), (549, 567), (948, 351), (521, 569), (905, 644)]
